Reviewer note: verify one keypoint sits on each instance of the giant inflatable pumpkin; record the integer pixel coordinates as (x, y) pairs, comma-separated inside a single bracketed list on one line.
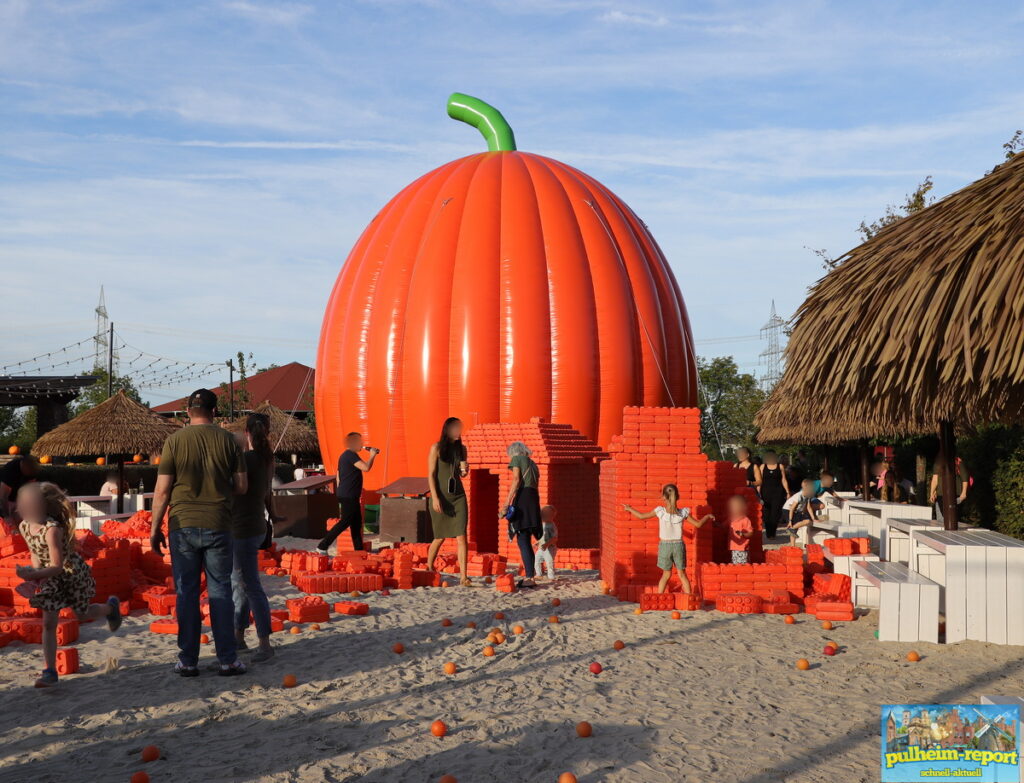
[(498, 287)]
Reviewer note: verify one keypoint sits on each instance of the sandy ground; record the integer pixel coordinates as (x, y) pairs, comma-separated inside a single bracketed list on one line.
[(708, 697)]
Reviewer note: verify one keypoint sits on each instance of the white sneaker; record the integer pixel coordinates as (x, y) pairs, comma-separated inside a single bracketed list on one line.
[(321, 551)]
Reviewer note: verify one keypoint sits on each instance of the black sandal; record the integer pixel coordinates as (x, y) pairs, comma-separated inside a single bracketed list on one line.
[(114, 618)]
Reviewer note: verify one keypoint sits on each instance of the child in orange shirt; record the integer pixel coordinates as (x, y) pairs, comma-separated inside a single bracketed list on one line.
[(741, 529)]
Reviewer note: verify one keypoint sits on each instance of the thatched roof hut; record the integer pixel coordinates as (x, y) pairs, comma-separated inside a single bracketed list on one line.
[(118, 426), (919, 328), (288, 435)]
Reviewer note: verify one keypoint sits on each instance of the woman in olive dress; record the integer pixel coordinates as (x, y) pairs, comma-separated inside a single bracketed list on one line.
[(449, 514)]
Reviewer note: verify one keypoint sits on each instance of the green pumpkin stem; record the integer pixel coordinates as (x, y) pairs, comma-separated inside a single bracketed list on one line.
[(485, 118)]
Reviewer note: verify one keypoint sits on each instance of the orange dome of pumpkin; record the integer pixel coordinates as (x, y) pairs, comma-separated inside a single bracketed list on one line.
[(499, 287)]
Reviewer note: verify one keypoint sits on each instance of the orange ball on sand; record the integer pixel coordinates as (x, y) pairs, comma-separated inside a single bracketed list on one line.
[(826, 624), (450, 668), (518, 629), (499, 615), (913, 656), (499, 638), (140, 777), (618, 644), (676, 616), (438, 728), (315, 627), (567, 777), (832, 644), (638, 610), (398, 648), (471, 624), (555, 602), (584, 729), (289, 681), (205, 638), (446, 623), (447, 779), (553, 619), (488, 651), (295, 629), (803, 664), (790, 620), (150, 753)]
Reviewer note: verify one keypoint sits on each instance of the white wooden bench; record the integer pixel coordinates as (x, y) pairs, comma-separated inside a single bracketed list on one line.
[(862, 592), (983, 576), (908, 603)]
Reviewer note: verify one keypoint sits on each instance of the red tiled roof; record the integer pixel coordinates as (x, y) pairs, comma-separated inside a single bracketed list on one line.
[(289, 387)]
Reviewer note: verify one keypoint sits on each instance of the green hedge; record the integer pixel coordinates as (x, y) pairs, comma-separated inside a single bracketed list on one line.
[(1008, 483)]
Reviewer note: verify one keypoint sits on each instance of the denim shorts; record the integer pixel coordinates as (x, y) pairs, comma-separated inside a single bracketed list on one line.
[(671, 553)]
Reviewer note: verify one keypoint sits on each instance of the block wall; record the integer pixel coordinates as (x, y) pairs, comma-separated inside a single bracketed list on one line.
[(659, 446)]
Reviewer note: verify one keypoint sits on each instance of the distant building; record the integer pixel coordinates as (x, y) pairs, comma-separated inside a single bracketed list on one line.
[(288, 387)]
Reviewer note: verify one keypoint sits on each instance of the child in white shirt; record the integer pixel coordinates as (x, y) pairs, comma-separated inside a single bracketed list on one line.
[(671, 550)]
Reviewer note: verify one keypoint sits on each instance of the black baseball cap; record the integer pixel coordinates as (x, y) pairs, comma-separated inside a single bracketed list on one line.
[(203, 399)]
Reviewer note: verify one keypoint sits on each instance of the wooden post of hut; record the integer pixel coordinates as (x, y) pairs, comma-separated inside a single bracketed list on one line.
[(865, 471), (948, 476)]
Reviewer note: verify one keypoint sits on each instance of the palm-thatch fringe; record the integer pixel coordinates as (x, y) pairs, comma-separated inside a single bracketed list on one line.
[(119, 426), (921, 324), (288, 435)]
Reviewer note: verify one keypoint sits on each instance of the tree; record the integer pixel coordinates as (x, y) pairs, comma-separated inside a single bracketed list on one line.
[(728, 400), (914, 202), (93, 395)]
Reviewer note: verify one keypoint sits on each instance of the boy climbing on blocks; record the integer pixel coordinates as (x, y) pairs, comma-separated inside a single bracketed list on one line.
[(801, 510), (671, 549)]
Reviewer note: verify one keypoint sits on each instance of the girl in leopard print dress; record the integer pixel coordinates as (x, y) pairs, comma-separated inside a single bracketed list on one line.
[(64, 579)]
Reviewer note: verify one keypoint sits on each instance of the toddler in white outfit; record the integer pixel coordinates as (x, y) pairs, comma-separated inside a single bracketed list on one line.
[(546, 544)]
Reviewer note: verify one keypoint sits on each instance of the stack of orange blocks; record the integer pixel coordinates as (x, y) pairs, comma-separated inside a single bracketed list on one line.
[(403, 570), (569, 476), (848, 546), (760, 579), (333, 582), (308, 609), (577, 559), (830, 599), (661, 602)]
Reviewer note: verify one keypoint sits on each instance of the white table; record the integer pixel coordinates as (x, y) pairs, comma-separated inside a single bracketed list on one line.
[(871, 515), (983, 576), (908, 602), (896, 537)]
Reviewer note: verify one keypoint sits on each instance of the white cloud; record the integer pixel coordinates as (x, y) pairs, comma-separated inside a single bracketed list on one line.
[(633, 18), (274, 13)]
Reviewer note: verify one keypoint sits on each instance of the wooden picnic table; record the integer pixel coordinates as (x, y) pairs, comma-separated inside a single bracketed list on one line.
[(983, 575)]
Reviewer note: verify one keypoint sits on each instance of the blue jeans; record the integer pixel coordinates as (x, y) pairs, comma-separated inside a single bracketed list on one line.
[(194, 550), (247, 589)]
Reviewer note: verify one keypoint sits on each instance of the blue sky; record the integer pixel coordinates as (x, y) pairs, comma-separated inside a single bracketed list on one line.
[(211, 163)]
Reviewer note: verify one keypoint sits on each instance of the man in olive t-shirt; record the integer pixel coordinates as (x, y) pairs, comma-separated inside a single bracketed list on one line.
[(201, 467)]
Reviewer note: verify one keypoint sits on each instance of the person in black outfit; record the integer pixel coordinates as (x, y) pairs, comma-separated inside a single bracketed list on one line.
[(774, 492), (15, 474), (745, 461), (351, 468)]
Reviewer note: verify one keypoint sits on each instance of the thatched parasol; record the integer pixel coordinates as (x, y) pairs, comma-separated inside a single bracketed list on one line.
[(118, 426), (288, 435), (919, 329)]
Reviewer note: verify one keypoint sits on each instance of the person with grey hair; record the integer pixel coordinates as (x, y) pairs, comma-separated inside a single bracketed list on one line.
[(522, 508)]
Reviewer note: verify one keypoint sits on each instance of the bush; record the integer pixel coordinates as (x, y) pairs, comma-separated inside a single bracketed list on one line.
[(1008, 484)]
